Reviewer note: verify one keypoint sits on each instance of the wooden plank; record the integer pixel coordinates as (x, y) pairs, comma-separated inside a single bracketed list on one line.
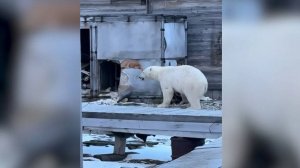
[(126, 2), (153, 125), (156, 132), (140, 110), (206, 156), (96, 10), (95, 2), (215, 86), (144, 117), (133, 117)]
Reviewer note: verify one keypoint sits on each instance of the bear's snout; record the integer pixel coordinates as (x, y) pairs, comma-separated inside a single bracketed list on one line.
[(142, 76)]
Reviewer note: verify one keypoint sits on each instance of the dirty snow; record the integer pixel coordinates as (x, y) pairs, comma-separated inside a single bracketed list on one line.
[(206, 104), (161, 152)]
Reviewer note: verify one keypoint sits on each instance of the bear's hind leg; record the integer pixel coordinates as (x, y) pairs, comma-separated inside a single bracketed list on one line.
[(167, 97), (194, 102)]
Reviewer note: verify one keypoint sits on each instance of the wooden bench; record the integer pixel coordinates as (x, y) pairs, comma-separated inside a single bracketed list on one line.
[(150, 120)]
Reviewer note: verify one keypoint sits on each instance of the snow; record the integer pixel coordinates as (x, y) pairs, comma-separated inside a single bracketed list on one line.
[(161, 152), (100, 164)]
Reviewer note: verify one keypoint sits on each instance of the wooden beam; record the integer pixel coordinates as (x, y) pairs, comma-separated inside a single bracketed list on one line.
[(154, 125), (187, 134), (140, 112), (120, 145), (153, 121)]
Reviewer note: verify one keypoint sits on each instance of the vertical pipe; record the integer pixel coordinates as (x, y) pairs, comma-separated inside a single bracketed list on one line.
[(96, 40), (91, 61), (94, 66), (186, 41), (148, 6), (96, 63), (162, 30)]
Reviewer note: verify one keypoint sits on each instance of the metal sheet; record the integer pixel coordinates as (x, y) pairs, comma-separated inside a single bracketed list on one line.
[(129, 40), (129, 79), (131, 85), (175, 39)]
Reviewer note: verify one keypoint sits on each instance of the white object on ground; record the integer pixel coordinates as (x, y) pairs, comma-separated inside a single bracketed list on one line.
[(206, 98)]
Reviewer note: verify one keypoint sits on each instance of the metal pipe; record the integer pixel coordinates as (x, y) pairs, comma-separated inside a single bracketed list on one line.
[(91, 61), (186, 41), (162, 30), (96, 65), (96, 40), (148, 6)]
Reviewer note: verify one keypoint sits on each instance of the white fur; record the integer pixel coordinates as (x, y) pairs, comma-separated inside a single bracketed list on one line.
[(189, 81)]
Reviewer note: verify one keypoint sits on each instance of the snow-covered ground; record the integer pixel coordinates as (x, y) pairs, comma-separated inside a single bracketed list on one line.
[(159, 152)]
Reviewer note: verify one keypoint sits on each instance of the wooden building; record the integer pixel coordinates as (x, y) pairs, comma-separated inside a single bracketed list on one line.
[(204, 34)]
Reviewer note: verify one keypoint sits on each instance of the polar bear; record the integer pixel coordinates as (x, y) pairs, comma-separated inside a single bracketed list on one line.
[(189, 81)]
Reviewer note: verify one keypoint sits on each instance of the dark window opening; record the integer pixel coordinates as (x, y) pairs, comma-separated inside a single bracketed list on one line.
[(85, 46), (109, 75), (85, 57)]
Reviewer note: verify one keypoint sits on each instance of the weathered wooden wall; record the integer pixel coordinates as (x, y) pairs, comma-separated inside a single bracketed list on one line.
[(204, 29)]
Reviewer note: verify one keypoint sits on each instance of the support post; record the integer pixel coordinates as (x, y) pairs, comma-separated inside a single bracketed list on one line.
[(94, 65), (120, 145)]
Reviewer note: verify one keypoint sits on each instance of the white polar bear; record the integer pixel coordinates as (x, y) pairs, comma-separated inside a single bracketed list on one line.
[(189, 81)]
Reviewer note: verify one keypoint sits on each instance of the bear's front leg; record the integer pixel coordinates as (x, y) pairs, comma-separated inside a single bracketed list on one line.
[(167, 96)]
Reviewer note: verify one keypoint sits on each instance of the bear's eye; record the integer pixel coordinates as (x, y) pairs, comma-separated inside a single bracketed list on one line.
[(150, 69)]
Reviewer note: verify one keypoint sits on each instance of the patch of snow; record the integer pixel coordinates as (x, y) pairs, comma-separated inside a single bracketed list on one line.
[(161, 151), (206, 98), (96, 150), (166, 140), (112, 101), (158, 152), (88, 137), (99, 164), (107, 102)]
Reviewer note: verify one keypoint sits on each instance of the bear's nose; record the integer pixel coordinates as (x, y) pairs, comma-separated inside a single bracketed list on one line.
[(141, 78)]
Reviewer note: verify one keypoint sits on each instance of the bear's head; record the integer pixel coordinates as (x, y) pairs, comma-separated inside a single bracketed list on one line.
[(149, 73)]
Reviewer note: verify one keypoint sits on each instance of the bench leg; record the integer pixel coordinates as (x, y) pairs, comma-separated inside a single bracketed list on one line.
[(120, 145)]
